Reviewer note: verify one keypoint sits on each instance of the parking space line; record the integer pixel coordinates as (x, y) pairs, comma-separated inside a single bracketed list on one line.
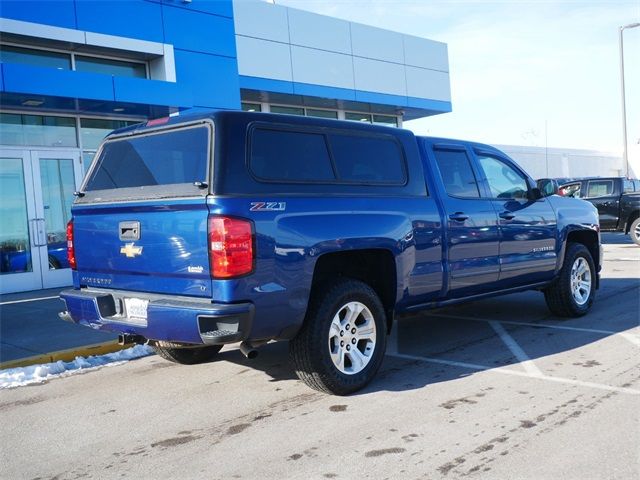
[(28, 300), (630, 337), (517, 351), (508, 371)]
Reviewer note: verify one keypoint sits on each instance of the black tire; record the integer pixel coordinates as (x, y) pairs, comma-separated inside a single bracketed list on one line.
[(559, 295), (188, 355), (310, 349), (634, 231)]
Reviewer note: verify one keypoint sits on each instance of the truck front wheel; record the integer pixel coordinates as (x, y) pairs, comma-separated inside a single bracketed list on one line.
[(571, 294), (342, 342), (634, 231)]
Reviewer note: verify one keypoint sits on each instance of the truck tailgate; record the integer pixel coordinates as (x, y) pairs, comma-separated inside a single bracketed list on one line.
[(145, 247)]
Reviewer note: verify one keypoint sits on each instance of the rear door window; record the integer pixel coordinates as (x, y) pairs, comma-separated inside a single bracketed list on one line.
[(599, 188), (164, 158), (457, 174)]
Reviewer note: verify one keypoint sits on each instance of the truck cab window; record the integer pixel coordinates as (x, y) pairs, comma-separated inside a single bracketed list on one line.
[(457, 174), (504, 180), (600, 188)]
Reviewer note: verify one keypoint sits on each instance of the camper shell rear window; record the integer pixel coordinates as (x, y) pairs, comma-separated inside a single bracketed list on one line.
[(160, 163)]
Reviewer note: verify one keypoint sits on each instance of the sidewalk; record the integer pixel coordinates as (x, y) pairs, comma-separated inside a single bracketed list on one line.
[(31, 332)]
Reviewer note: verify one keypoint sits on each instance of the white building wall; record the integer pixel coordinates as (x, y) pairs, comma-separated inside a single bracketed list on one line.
[(564, 162), (281, 43)]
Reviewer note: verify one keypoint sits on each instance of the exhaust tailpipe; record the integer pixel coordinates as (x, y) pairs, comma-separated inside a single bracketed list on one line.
[(248, 350), (127, 339)]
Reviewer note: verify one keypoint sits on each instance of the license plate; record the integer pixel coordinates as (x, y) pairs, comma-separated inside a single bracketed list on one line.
[(136, 308)]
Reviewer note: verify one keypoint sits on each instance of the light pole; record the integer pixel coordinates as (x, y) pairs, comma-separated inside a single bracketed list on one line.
[(625, 153)]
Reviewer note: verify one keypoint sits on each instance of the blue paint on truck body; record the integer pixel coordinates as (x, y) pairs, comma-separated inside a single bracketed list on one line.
[(438, 258)]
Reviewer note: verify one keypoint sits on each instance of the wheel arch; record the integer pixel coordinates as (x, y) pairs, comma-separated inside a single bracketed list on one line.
[(376, 267), (633, 216)]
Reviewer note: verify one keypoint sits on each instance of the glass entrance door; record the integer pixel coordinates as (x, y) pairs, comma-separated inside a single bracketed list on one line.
[(36, 193)]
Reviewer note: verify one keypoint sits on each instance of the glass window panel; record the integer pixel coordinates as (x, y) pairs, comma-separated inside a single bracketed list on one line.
[(357, 117), (39, 58), (385, 120), (600, 188), (15, 248), (312, 112), (287, 110), (628, 186), (504, 181), (571, 190), (11, 131), (57, 182), (93, 130), (251, 107), (118, 68), (373, 160), (168, 158), (457, 175), (45, 131), (287, 156), (87, 159)]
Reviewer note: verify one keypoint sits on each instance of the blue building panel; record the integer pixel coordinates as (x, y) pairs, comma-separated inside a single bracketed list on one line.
[(212, 79), (198, 32), (266, 84), (58, 83), (323, 91), (49, 12), (132, 18), (151, 92), (432, 105), (223, 8)]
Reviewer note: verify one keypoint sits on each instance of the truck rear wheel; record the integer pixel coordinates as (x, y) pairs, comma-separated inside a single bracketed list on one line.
[(634, 231), (186, 355), (342, 342), (571, 294)]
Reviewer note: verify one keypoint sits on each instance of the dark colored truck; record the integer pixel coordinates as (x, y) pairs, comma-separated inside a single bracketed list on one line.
[(616, 198), (194, 232)]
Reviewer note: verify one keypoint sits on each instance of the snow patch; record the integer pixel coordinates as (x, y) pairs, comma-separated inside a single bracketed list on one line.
[(18, 377)]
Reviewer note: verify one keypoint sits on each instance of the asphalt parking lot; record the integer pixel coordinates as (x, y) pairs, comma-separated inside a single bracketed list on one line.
[(494, 389)]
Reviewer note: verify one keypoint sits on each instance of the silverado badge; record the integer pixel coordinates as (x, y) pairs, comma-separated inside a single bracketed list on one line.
[(130, 250)]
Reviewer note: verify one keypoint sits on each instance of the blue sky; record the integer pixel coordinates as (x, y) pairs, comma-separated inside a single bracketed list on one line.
[(516, 65)]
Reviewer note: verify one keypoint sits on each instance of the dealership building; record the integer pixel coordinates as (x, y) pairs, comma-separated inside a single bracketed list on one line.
[(71, 71)]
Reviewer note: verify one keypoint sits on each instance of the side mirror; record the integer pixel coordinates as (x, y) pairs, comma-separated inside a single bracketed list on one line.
[(547, 186), (536, 194)]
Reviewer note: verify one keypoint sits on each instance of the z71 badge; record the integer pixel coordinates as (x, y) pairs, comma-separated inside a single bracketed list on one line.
[(268, 206)]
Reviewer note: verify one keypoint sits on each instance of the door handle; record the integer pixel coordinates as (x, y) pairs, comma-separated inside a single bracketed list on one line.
[(38, 232), (459, 217), (507, 215)]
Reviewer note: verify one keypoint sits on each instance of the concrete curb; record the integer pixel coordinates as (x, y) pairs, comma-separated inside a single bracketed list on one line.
[(66, 355)]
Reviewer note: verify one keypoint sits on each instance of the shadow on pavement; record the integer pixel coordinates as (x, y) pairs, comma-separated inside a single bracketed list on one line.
[(438, 335)]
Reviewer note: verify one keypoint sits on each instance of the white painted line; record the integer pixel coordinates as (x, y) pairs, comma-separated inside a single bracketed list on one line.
[(507, 371), (632, 338), (517, 351), (28, 300), (629, 336)]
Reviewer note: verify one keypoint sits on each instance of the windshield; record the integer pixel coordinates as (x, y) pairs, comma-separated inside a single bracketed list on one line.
[(163, 158)]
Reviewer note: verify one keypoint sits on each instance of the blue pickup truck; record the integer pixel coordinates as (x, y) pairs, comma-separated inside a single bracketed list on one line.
[(193, 232)]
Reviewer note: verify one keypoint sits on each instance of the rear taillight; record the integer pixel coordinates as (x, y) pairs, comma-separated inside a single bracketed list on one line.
[(71, 251), (230, 246)]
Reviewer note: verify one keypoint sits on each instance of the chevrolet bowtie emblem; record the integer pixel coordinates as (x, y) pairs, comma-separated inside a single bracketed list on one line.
[(130, 250)]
